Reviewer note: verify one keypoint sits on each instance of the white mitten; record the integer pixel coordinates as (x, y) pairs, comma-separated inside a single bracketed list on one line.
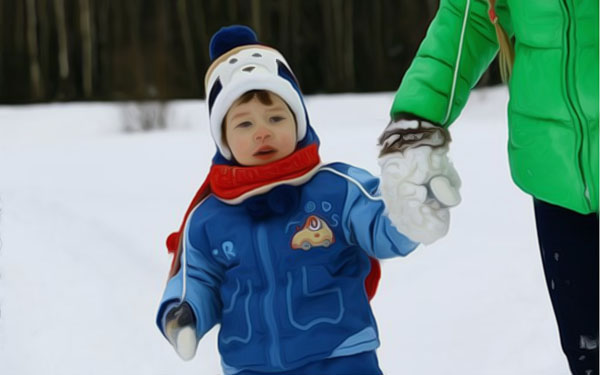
[(418, 182), (180, 329)]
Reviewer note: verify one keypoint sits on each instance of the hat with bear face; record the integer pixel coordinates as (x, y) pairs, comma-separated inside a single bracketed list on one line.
[(240, 63)]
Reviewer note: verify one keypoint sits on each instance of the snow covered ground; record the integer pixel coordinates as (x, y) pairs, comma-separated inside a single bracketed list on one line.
[(85, 208)]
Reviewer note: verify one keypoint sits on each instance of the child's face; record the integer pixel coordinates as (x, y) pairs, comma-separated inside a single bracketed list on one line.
[(258, 133)]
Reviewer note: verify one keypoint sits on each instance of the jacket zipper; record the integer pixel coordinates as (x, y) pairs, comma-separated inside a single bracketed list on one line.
[(571, 102), (268, 305)]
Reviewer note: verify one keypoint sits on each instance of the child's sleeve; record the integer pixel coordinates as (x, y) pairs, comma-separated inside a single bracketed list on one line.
[(197, 282), (364, 220)]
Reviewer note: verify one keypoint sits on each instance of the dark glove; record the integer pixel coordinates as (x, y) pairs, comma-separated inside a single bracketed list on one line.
[(180, 329)]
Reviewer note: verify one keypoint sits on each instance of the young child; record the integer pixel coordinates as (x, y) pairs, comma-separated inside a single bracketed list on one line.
[(275, 247)]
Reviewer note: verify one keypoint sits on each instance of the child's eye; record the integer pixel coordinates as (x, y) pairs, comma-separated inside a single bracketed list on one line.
[(276, 119), (244, 124)]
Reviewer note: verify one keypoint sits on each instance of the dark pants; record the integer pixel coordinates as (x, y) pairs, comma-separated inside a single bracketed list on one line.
[(569, 247)]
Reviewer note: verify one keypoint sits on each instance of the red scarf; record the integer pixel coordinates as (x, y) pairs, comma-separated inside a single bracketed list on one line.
[(233, 184)]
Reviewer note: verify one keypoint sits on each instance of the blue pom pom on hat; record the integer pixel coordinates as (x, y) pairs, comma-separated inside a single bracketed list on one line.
[(229, 37), (240, 63)]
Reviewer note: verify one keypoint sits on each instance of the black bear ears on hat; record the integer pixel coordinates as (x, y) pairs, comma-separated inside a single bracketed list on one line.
[(230, 37)]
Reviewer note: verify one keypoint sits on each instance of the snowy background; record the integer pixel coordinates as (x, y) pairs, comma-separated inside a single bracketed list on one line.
[(85, 209)]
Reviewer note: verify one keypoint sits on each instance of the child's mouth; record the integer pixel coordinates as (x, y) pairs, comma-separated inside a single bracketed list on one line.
[(265, 152)]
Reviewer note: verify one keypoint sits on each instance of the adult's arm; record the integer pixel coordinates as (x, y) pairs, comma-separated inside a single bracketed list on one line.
[(459, 46)]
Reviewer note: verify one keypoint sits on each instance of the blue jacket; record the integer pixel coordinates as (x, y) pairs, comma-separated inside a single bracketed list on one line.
[(283, 273)]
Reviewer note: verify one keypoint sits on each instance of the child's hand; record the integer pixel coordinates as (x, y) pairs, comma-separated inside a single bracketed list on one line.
[(180, 329), (418, 181)]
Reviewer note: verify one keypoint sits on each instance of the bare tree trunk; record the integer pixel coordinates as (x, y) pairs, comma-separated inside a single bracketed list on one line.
[(379, 45), (295, 40), (19, 30), (256, 19), (44, 42), (338, 31), (63, 47), (202, 39), (161, 70), (283, 18), (232, 10), (347, 47), (104, 48), (135, 44), (327, 51), (265, 21), (85, 24), (117, 13), (338, 69), (187, 44), (32, 44), (2, 26)]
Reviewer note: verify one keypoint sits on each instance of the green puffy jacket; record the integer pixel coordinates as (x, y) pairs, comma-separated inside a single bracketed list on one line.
[(553, 107)]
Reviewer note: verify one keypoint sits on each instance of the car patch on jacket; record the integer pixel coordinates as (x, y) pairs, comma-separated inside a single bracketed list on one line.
[(315, 232)]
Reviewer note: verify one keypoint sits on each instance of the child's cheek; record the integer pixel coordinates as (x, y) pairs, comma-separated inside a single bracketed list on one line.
[(290, 141), (241, 146)]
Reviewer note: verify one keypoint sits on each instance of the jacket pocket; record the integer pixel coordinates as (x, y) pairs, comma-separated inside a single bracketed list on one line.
[(313, 298), (236, 325)]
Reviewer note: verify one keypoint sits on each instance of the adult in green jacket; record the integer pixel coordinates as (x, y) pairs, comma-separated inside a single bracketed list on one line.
[(552, 73)]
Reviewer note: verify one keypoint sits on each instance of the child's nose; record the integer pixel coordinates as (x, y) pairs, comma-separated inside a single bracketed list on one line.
[(262, 133)]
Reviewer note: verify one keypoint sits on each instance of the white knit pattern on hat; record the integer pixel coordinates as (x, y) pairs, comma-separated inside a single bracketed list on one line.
[(244, 69)]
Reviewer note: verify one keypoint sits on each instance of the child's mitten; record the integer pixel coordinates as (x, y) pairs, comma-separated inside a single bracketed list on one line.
[(180, 329), (418, 181)]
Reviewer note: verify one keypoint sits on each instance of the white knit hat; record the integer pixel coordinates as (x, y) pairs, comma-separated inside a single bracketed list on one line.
[(240, 64)]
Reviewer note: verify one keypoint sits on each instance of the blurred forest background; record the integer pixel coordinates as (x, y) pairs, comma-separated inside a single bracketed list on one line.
[(157, 50)]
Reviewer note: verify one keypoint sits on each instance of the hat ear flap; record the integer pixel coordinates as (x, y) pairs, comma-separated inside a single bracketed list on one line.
[(212, 96), (284, 72)]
